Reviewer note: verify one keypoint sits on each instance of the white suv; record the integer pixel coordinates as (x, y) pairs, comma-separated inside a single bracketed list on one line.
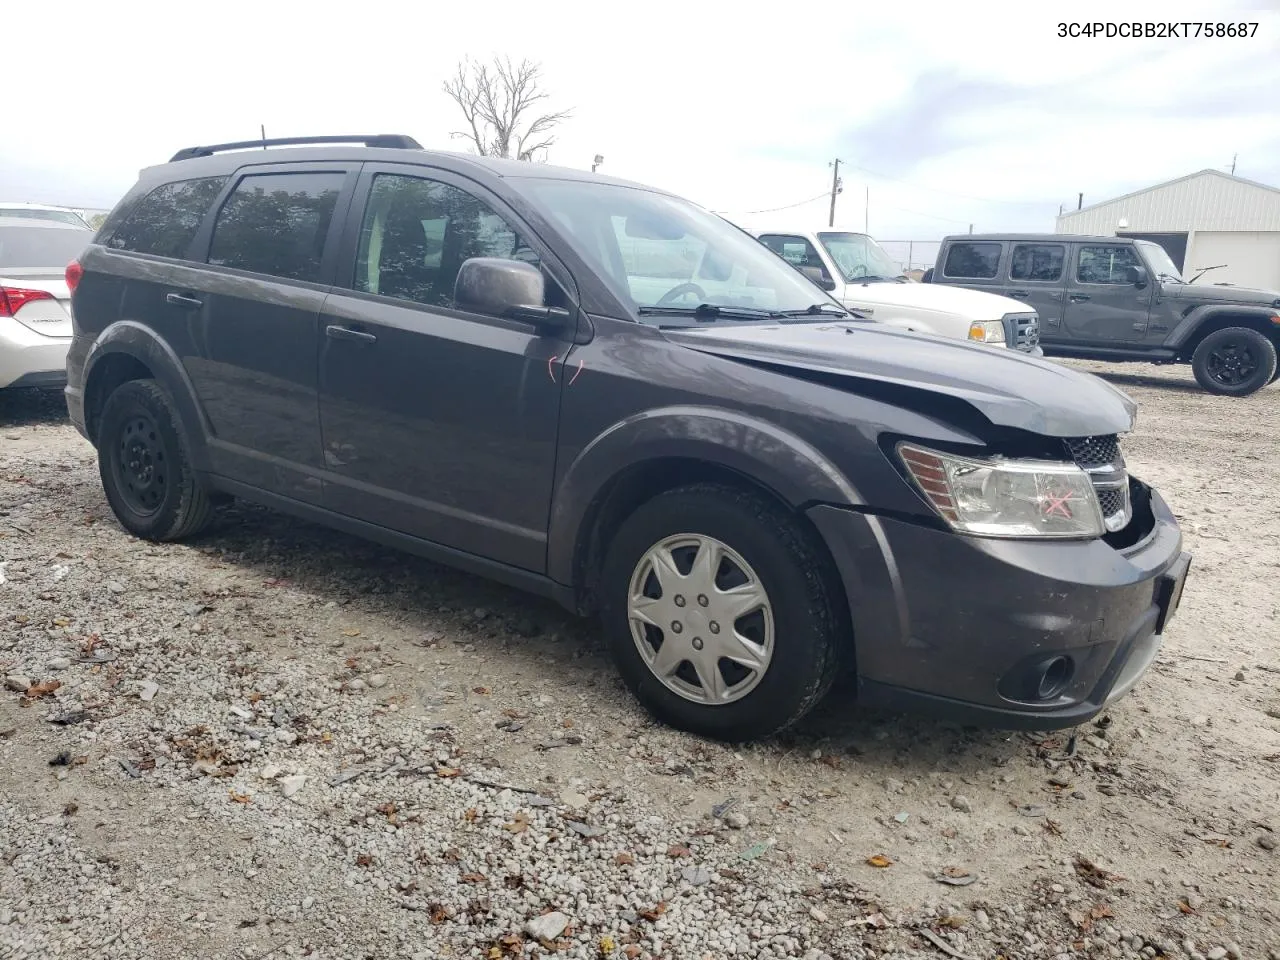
[(35, 302), (860, 274)]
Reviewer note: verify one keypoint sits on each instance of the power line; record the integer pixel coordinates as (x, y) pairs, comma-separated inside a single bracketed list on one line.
[(821, 196)]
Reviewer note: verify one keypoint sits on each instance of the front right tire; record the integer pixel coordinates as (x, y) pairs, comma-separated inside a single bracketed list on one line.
[(722, 612), (1234, 362)]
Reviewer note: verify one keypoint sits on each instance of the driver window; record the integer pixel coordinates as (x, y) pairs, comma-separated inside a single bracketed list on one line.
[(797, 251), (1106, 264), (417, 233)]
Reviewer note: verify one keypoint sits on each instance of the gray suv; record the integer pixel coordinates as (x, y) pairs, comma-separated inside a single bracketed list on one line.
[(604, 394), (1120, 298)]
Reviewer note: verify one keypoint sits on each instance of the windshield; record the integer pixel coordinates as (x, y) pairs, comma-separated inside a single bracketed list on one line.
[(663, 254), (1159, 262), (859, 257), (40, 246), (34, 213)]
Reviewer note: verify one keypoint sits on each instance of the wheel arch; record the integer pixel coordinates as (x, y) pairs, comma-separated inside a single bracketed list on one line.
[(639, 459), (1206, 320), (128, 351)]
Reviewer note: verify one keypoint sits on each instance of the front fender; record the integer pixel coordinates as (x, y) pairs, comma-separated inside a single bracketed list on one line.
[(1192, 322), (764, 452), (132, 339)]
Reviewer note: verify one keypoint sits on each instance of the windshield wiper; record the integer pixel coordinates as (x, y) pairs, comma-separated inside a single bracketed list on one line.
[(817, 310), (710, 311), (1169, 276)]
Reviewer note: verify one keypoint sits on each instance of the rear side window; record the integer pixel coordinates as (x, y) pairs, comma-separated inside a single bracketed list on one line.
[(276, 223), (1037, 261), (972, 261), (165, 221)]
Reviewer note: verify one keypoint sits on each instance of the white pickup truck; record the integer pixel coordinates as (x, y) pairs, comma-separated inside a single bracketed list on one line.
[(861, 275)]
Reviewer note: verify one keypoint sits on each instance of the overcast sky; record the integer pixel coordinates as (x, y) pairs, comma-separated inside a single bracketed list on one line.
[(970, 113)]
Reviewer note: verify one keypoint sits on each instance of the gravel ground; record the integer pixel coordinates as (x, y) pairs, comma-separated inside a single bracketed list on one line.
[(279, 741)]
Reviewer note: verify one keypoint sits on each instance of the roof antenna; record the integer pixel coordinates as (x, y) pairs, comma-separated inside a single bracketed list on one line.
[(263, 128)]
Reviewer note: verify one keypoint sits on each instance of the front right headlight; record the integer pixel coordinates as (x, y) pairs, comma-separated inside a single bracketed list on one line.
[(1040, 499)]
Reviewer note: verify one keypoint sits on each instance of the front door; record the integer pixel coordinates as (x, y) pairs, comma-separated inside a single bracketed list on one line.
[(250, 319), (1103, 305), (1037, 278), (437, 423)]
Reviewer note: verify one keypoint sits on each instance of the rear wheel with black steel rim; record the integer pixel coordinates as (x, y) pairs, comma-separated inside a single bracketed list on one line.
[(1234, 362), (145, 467), (721, 612)]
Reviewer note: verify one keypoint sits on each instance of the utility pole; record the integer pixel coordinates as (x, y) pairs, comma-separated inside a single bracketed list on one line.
[(263, 127), (598, 160), (1079, 200), (971, 228), (1233, 163), (835, 188)]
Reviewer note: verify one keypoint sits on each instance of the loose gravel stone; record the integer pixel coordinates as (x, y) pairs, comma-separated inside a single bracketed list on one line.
[(961, 803), (548, 926)]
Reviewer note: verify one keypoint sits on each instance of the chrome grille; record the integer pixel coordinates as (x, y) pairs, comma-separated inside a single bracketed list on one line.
[(1027, 333), (1100, 457)]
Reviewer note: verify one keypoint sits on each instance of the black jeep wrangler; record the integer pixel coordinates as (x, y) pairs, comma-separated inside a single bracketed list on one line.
[(1117, 298), (604, 394)]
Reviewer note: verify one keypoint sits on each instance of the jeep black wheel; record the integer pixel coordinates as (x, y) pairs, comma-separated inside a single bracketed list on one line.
[(145, 469), (721, 612), (1234, 362)]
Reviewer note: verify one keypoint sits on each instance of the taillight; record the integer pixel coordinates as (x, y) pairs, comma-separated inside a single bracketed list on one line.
[(13, 299), (74, 273)]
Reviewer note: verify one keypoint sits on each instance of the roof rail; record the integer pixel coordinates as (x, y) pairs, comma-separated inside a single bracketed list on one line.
[(392, 140)]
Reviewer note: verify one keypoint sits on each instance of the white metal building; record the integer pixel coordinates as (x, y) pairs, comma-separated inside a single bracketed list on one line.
[(1202, 220)]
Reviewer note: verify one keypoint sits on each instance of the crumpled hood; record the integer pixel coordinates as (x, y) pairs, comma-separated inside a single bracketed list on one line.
[(1209, 293), (1009, 388), (933, 298)]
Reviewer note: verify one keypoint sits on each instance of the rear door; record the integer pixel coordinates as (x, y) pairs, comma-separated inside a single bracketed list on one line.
[(1037, 277), (251, 310), (1103, 306)]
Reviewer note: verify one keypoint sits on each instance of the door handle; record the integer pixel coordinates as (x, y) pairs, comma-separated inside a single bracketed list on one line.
[(1079, 297), (335, 332), (1020, 294), (184, 300)]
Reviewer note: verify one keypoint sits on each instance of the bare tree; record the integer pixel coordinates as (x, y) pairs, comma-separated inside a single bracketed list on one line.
[(499, 101)]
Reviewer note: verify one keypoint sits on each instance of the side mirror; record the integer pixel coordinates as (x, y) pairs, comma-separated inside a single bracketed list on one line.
[(1137, 276), (505, 288), (817, 276)]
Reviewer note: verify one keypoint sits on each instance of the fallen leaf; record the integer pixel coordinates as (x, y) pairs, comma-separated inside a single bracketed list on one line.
[(624, 860), (1100, 911), (42, 689), (1185, 907), (831, 760), (1052, 826), (61, 622), (514, 714), (351, 633), (438, 913), (473, 878), (653, 914), (364, 860), (676, 850), (483, 691), (470, 815), (495, 953), (446, 772), (567, 723), (955, 923), (519, 825), (240, 797), (631, 950), (1094, 875), (880, 860)]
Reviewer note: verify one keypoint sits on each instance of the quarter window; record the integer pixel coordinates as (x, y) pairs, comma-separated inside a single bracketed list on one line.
[(972, 261), (417, 233), (1037, 261), (165, 221), (277, 223), (1106, 264)]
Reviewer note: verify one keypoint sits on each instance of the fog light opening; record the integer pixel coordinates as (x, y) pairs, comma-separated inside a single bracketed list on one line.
[(1054, 678)]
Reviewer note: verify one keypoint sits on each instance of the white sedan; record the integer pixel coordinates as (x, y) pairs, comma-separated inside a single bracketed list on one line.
[(35, 303)]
